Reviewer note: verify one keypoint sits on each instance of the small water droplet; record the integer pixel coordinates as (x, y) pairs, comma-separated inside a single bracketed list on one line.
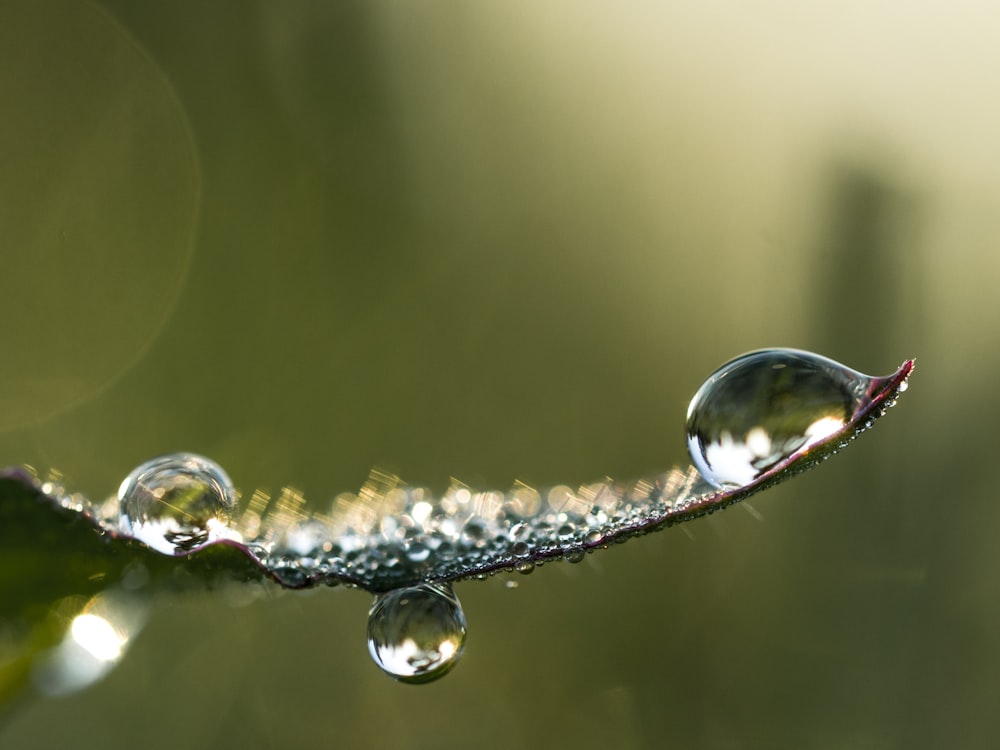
[(418, 552), (524, 567), (761, 408), (474, 535), (520, 549), (417, 634), (177, 502)]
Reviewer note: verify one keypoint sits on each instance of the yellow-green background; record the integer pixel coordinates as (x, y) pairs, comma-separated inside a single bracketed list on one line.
[(508, 240)]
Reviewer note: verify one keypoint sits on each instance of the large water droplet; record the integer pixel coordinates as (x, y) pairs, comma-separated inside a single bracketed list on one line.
[(763, 407), (417, 634), (177, 502)]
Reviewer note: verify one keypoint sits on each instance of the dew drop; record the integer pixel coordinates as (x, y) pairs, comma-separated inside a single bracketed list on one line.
[(521, 549), (177, 502), (474, 535), (763, 407), (418, 552), (417, 634)]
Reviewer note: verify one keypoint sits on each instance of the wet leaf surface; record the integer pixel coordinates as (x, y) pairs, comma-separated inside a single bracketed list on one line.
[(60, 547), (396, 536)]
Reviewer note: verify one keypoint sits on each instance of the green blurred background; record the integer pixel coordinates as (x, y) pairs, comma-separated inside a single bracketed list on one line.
[(503, 241)]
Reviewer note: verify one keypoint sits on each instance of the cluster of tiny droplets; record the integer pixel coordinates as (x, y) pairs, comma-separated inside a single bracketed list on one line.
[(388, 535)]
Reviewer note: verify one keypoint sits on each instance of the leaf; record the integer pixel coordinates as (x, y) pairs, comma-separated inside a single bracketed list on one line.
[(51, 554), (57, 547)]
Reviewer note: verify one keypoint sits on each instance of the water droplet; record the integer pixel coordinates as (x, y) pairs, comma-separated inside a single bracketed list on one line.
[(417, 634), (474, 535), (177, 502), (762, 408), (418, 552)]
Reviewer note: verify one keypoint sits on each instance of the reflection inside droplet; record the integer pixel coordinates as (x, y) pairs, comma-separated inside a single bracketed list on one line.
[(417, 634), (763, 407), (177, 502)]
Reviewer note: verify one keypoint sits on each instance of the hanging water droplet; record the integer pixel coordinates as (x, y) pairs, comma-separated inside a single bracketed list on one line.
[(177, 502), (761, 408), (417, 634)]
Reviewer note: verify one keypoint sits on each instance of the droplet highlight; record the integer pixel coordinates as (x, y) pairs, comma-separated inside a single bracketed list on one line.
[(176, 503), (764, 407), (417, 634)]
